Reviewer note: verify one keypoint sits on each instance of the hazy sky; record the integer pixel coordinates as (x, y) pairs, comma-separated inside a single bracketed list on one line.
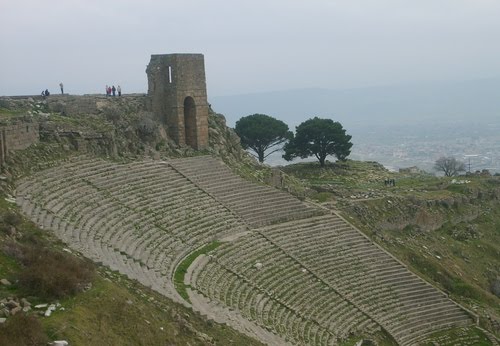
[(249, 46)]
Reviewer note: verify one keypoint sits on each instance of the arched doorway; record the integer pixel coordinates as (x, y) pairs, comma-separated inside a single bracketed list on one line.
[(190, 122)]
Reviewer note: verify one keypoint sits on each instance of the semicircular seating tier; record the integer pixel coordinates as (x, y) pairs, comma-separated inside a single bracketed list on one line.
[(325, 274), (257, 205), (138, 218), (310, 278)]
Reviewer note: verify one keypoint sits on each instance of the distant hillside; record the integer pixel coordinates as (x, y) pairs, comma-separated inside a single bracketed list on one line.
[(447, 101), (398, 126)]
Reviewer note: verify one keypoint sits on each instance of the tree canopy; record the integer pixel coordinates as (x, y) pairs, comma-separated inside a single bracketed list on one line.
[(319, 137), (449, 166), (261, 133)]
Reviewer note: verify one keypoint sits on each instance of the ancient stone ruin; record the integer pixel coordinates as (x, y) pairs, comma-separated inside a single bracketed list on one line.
[(177, 96), (16, 137), (178, 92)]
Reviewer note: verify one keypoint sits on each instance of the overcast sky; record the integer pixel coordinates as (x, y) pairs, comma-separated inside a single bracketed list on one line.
[(249, 46)]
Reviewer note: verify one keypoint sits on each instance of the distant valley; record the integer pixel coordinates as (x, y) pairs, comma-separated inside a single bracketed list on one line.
[(399, 126)]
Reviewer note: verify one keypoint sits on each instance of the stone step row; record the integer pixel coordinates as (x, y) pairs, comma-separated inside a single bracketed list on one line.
[(269, 310), (383, 288), (256, 204), (282, 279), (312, 280), (107, 222)]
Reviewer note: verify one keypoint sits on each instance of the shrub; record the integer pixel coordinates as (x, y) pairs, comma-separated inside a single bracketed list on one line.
[(146, 128), (12, 218), (323, 196), (458, 287), (4, 104), (495, 287), (12, 249), (161, 145), (52, 274), (111, 113), (22, 330)]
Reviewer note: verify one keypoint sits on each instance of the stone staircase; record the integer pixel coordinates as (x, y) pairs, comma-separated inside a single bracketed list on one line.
[(303, 275)]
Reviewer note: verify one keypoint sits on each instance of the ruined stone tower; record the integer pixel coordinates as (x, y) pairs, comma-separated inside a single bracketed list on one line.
[(178, 91)]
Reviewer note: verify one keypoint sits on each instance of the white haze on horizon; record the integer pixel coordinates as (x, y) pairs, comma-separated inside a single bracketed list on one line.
[(249, 46)]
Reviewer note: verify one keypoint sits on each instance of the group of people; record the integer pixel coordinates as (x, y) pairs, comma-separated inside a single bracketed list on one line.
[(47, 93), (111, 90), (390, 182)]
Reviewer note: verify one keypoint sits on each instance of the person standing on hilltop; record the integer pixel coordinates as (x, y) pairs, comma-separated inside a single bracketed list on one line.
[(113, 89), (62, 88), (107, 90), (119, 89)]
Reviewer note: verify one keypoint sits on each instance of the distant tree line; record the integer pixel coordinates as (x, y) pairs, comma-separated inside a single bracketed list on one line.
[(264, 135)]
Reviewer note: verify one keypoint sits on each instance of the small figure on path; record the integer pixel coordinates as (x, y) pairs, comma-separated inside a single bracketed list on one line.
[(45, 92), (390, 182), (119, 89), (61, 85), (107, 90), (113, 89)]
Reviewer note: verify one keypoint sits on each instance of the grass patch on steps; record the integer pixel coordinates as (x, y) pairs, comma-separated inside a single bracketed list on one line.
[(181, 270), (458, 336)]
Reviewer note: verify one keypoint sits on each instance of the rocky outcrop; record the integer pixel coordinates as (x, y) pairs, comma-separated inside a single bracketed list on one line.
[(398, 213)]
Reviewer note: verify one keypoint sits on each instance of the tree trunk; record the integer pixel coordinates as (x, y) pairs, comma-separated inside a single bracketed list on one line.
[(261, 155)]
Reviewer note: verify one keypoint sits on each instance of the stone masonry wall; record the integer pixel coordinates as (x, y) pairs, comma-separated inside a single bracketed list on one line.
[(17, 137), (94, 104)]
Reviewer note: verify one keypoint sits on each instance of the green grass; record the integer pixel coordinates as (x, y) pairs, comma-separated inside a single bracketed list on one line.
[(6, 114), (117, 311), (114, 311), (322, 196), (462, 336), (381, 338), (97, 123), (181, 270), (435, 272)]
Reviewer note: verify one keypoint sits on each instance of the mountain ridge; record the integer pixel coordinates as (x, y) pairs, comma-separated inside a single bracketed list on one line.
[(370, 105)]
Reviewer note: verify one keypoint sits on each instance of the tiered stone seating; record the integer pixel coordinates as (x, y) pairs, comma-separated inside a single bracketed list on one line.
[(377, 284), (313, 279), (257, 204), (138, 218), (463, 336), (281, 295)]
